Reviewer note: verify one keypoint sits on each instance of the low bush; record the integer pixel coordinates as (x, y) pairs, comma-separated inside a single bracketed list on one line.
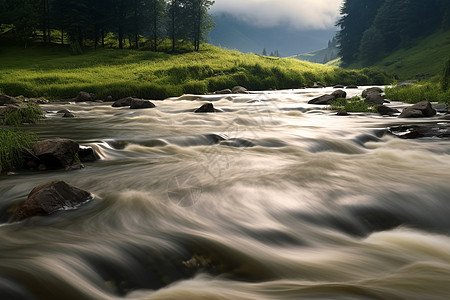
[(17, 116), (12, 141), (354, 104)]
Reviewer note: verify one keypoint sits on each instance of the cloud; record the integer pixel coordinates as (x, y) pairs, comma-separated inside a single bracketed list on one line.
[(298, 14)]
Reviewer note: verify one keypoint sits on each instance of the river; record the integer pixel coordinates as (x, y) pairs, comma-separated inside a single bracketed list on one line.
[(271, 199)]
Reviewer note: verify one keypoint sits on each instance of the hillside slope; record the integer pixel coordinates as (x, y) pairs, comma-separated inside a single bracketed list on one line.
[(425, 58)]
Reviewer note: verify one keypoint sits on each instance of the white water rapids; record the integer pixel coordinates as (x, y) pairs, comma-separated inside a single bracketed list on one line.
[(271, 199)]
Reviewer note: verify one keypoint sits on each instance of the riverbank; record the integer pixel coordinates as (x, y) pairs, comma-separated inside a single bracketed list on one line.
[(55, 74)]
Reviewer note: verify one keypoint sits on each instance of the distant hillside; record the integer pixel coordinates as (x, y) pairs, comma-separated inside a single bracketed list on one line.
[(322, 56), (232, 33)]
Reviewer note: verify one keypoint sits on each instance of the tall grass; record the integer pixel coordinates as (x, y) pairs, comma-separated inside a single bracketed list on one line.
[(15, 117), (354, 104), (12, 141), (423, 91), (55, 74)]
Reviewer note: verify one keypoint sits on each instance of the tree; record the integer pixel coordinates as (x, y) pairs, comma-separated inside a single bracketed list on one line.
[(264, 52), (199, 20), (155, 14), (372, 46), (357, 17)]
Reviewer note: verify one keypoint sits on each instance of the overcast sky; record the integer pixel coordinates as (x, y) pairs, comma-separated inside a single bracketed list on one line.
[(298, 14)]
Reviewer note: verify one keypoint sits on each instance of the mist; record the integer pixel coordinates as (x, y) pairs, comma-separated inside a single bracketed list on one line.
[(296, 14)]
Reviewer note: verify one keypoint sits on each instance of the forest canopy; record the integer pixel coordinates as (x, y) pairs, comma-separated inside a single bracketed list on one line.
[(372, 29), (91, 22)]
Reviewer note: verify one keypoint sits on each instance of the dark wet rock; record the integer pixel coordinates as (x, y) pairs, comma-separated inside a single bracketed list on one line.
[(421, 131), (318, 85), (419, 110), (109, 99), (83, 96), (410, 112), (339, 86), (87, 154), (56, 153), (223, 92), (371, 90), (351, 86), (441, 108), (123, 102), (141, 104), (322, 100), (63, 111), (386, 110), (375, 99), (239, 90), (51, 197), (68, 115), (40, 100), (339, 94), (342, 113), (5, 99), (206, 108)]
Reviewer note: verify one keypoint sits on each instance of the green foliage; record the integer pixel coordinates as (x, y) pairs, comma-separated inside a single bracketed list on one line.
[(424, 91), (395, 22), (55, 74), (11, 144), (372, 46), (445, 82), (354, 104), (15, 117)]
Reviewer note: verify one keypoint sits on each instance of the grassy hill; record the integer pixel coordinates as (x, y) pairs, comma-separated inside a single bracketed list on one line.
[(53, 73), (424, 58)]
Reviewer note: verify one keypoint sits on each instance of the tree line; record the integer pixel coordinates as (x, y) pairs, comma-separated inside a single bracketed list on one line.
[(89, 22), (372, 29)]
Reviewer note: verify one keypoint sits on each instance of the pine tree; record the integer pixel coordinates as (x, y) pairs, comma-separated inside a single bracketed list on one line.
[(264, 52)]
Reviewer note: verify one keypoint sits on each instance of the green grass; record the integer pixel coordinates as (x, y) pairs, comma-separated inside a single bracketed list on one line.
[(11, 144), (54, 73), (423, 58), (28, 114), (354, 104), (429, 90)]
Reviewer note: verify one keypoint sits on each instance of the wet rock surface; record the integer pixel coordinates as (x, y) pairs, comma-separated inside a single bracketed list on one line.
[(51, 197), (421, 131)]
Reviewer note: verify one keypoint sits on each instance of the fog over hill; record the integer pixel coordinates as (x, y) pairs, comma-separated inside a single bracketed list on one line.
[(235, 33)]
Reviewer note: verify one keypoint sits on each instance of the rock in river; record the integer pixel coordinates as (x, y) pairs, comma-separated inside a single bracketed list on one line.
[(56, 153), (50, 197), (206, 108), (419, 110), (141, 104)]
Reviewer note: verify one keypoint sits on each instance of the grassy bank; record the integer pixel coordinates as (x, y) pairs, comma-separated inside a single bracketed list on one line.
[(429, 90), (54, 73)]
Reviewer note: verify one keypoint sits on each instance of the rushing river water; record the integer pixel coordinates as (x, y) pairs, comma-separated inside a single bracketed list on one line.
[(271, 199)]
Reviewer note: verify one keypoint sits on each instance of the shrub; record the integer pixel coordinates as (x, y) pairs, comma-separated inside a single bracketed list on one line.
[(15, 117), (354, 104), (11, 144)]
